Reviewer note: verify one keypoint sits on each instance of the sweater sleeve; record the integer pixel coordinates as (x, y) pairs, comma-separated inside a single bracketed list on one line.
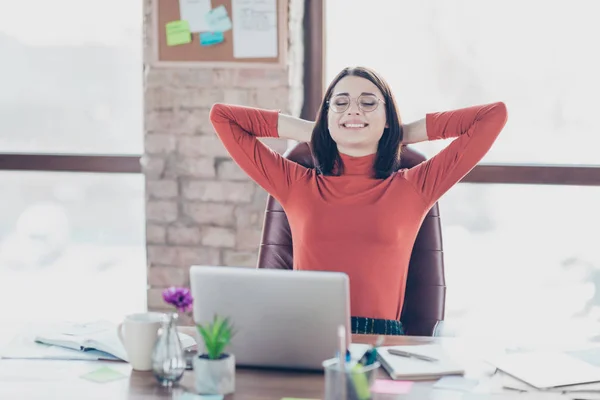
[(476, 128), (238, 128)]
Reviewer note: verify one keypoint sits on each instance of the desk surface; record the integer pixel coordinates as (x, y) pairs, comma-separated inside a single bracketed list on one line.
[(37, 379)]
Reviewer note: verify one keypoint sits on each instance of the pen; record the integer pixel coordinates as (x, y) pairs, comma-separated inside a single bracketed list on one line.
[(342, 361), (342, 347), (402, 353)]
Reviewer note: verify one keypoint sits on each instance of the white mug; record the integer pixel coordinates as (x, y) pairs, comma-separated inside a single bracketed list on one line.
[(138, 333)]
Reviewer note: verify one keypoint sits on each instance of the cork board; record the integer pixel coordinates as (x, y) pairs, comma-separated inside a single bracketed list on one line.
[(221, 55)]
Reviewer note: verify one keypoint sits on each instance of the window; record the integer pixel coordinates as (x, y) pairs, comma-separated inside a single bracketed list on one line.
[(440, 55), (522, 256), (72, 244), (71, 77), (519, 239)]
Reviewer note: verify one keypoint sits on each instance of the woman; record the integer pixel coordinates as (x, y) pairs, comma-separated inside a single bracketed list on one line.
[(355, 213)]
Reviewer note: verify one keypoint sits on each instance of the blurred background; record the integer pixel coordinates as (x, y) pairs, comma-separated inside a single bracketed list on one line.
[(521, 259), (71, 83)]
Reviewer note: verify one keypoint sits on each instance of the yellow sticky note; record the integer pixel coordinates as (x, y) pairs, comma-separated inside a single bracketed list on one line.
[(178, 32), (103, 374)]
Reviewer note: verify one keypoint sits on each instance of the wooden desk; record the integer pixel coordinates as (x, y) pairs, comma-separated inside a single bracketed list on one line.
[(45, 379)]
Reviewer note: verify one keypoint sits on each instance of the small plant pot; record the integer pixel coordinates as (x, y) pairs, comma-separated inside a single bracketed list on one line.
[(214, 376)]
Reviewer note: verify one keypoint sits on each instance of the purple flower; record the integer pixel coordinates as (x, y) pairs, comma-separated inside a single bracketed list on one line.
[(181, 298)]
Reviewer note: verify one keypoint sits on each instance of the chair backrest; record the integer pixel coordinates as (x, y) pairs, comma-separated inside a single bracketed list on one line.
[(425, 296)]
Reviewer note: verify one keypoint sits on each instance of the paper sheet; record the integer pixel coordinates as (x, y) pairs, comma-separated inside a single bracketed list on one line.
[(193, 11), (218, 20), (459, 383), (357, 350), (254, 28), (547, 369), (510, 382), (513, 396)]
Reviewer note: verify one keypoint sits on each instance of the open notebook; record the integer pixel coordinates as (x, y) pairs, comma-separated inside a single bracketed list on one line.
[(92, 341), (410, 368)]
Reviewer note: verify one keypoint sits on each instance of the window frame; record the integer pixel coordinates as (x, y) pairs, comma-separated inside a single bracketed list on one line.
[(81, 162), (313, 80), (125, 164), (502, 173)]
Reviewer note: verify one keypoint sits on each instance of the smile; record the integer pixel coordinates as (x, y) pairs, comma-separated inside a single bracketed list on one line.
[(355, 126)]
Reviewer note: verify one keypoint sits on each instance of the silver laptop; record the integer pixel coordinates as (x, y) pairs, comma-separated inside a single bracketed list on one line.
[(283, 318)]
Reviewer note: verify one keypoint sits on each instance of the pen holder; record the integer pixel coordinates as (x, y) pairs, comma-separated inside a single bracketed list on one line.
[(352, 384)]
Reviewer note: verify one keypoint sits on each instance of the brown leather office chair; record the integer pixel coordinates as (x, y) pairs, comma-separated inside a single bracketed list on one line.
[(425, 296)]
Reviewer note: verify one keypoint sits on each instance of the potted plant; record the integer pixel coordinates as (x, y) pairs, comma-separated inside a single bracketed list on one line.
[(214, 370)]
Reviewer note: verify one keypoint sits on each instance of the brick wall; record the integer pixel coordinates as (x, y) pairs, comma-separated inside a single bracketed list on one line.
[(200, 207)]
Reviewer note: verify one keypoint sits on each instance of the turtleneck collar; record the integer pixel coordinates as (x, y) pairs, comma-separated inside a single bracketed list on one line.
[(362, 165)]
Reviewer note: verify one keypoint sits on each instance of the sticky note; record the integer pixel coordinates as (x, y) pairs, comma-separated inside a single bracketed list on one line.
[(178, 32), (102, 375), (211, 38), (218, 20), (393, 387)]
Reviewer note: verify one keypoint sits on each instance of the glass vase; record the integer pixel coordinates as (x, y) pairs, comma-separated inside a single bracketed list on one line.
[(168, 358)]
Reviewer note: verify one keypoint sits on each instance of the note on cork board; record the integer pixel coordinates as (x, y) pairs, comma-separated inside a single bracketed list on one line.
[(222, 33)]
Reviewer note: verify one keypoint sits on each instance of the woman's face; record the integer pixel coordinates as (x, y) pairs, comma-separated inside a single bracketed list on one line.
[(356, 116)]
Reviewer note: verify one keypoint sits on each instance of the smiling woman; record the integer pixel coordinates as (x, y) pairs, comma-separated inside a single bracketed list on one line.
[(344, 214), (499, 252)]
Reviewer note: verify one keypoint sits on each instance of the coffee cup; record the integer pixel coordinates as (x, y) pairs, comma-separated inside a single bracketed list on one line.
[(138, 334)]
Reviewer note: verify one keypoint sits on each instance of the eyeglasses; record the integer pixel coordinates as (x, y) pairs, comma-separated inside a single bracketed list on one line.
[(366, 102)]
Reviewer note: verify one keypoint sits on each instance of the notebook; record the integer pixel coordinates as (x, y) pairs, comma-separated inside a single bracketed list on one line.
[(547, 369), (98, 339), (409, 368)]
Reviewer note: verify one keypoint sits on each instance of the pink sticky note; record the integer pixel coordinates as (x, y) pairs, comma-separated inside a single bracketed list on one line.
[(389, 386)]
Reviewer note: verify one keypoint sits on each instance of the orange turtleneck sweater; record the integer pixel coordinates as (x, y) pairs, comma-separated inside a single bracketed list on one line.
[(354, 223)]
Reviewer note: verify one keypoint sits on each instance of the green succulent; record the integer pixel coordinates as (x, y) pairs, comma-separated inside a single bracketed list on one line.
[(216, 335)]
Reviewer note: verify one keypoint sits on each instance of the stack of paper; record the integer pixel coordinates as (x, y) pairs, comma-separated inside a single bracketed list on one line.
[(576, 375)]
